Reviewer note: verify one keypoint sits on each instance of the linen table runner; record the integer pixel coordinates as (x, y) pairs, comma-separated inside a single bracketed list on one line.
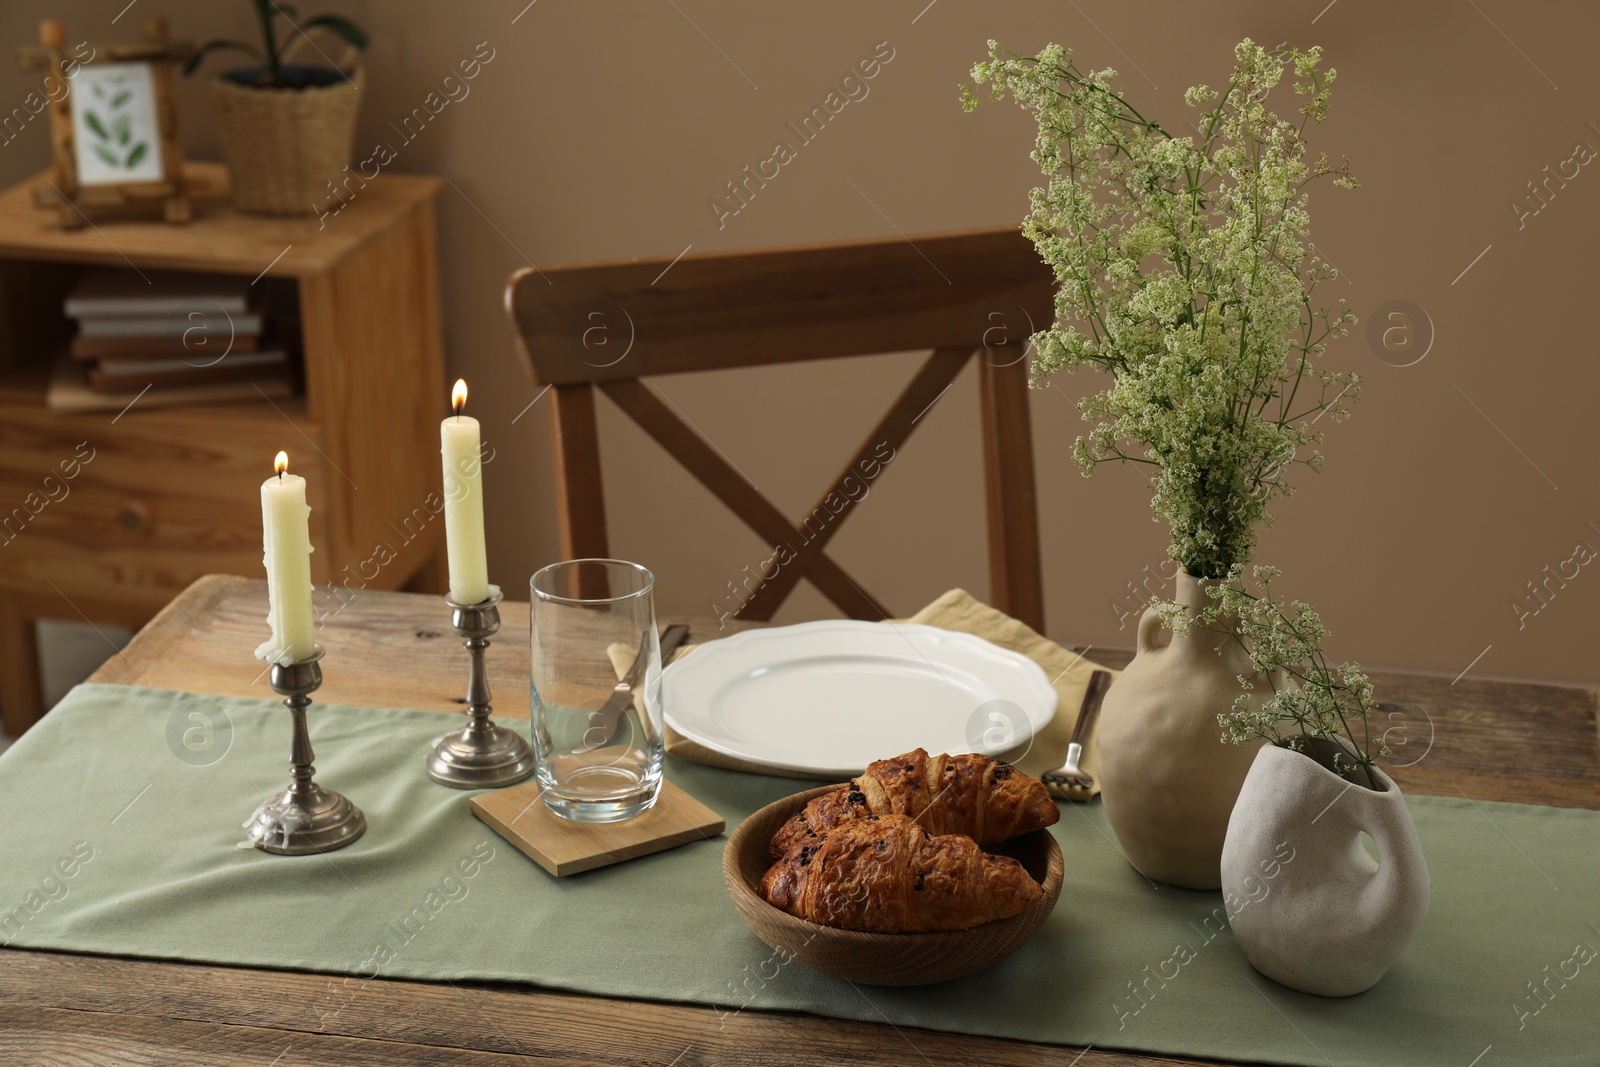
[(112, 843)]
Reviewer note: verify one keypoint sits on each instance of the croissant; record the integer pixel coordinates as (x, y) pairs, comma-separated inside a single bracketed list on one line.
[(985, 799), (886, 874)]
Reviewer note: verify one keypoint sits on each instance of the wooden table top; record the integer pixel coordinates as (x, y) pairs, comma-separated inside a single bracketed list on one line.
[(1486, 740), (221, 238)]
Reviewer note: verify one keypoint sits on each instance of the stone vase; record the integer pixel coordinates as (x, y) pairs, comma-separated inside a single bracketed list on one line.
[(1308, 905), (1167, 778)]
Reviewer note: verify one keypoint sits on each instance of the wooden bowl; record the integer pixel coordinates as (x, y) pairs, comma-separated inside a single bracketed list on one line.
[(881, 959)]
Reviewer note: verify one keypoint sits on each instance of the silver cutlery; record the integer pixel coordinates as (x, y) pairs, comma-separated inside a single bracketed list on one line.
[(603, 721), (1069, 775)]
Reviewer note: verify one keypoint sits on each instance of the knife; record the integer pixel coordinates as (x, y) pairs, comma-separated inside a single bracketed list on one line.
[(603, 722)]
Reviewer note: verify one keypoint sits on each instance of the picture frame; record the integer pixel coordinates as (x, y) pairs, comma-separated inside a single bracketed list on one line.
[(113, 128), (115, 123)]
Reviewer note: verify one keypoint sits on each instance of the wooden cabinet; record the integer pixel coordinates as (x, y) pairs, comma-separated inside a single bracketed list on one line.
[(160, 496)]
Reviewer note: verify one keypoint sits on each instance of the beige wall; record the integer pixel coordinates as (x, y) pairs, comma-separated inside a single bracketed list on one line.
[(601, 130)]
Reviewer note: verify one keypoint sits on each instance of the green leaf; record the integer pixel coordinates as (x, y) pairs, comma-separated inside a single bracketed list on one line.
[(266, 15), (342, 26), (140, 150), (107, 156), (122, 98), (123, 127), (91, 120), (220, 44), (98, 90)]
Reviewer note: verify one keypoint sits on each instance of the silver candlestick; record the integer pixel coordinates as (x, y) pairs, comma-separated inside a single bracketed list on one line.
[(480, 755), (304, 818)]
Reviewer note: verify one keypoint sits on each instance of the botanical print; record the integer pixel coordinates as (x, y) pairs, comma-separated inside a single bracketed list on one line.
[(114, 128)]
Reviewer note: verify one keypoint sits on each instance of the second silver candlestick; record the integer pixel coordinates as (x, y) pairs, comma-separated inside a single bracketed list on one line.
[(481, 754)]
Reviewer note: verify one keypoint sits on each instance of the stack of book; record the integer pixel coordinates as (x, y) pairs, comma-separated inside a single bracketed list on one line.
[(182, 338)]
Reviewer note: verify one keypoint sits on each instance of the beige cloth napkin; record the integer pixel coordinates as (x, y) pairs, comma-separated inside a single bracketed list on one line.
[(956, 610)]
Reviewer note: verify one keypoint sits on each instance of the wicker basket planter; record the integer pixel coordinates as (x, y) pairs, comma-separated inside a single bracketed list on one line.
[(283, 146)]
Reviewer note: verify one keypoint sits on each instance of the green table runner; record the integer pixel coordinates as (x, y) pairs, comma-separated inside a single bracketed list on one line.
[(112, 842)]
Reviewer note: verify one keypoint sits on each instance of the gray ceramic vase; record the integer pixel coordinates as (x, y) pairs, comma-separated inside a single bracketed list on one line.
[(1308, 905)]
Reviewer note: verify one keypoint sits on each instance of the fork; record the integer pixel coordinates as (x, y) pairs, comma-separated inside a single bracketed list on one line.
[(1068, 775)]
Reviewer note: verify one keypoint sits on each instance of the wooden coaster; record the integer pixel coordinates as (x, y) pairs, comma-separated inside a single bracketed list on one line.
[(563, 847)]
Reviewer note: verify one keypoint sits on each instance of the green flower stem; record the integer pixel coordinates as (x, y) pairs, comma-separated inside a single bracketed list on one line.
[(1185, 271), (1258, 626)]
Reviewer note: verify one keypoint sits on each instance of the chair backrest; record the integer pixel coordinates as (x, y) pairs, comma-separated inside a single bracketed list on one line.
[(607, 325)]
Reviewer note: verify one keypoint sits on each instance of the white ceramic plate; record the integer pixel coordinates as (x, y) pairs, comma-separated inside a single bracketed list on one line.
[(828, 698)]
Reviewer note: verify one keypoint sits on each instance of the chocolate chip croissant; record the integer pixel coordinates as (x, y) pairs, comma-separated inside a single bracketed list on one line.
[(886, 874), (985, 799)]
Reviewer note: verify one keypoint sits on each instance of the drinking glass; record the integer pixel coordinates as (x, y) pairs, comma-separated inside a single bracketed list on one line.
[(598, 737)]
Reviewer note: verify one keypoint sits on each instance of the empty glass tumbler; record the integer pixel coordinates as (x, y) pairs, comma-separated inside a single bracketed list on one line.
[(598, 734)]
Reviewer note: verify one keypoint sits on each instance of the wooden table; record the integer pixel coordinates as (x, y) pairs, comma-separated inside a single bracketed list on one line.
[(1489, 740)]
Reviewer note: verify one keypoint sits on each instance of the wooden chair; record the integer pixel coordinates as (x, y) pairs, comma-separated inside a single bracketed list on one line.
[(606, 326)]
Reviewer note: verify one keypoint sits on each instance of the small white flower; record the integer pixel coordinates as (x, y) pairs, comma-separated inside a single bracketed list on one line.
[(1185, 270)]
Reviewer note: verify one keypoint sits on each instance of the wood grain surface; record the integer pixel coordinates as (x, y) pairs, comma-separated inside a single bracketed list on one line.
[(563, 847), (155, 508), (254, 242), (1484, 739), (727, 310), (721, 310)]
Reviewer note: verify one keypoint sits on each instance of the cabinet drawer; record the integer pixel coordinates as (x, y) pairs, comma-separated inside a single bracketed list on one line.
[(146, 504)]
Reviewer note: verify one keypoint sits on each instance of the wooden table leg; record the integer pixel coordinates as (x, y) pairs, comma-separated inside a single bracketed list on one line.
[(21, 687)]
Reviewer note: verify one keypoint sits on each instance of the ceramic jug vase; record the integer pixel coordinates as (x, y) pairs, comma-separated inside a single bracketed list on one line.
[(1167, 778)]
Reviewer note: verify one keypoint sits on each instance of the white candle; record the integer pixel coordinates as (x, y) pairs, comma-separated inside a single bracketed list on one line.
[(463, 503), (286, 538)]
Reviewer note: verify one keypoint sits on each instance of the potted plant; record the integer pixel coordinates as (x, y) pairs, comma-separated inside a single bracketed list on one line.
[(286, 128), (1185, 271)]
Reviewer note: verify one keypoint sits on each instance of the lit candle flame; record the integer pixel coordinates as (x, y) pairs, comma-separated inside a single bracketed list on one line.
[(280, 463), (458, 395)]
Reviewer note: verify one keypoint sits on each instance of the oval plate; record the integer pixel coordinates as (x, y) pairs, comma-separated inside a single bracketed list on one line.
[(827, 698)]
